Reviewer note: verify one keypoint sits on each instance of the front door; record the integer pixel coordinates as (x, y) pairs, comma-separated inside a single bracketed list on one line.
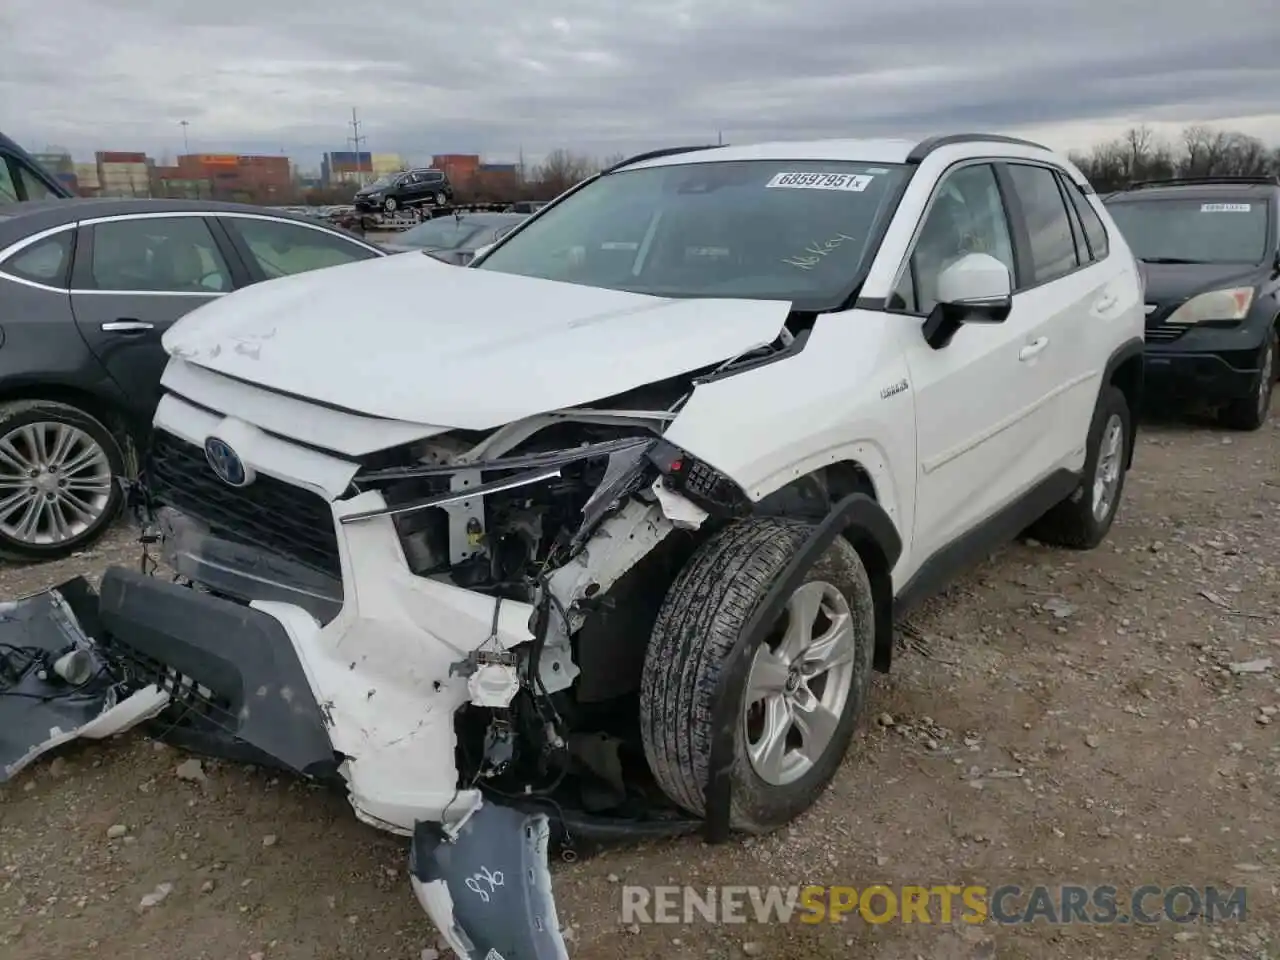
[(134, 277), (977, 414)]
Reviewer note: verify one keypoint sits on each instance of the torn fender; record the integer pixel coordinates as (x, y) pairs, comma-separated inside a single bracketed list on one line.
[(487, 886)]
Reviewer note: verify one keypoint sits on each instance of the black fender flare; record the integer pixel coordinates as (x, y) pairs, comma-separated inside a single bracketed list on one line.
[(861, 520), (1122, 354)]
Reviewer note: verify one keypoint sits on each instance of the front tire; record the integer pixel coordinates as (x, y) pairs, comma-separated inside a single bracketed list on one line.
[(809, 677), (390, 205), (60, 473), (1082, 521), (1250, 413)]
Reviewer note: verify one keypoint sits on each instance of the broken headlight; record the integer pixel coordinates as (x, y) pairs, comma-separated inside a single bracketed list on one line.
[(698, 481)]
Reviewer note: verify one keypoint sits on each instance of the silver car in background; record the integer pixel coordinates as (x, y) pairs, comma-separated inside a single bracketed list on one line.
[(456, 239)]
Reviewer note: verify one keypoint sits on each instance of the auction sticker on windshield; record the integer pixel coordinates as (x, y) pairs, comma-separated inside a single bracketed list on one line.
[(856, 182), (1225, 208)]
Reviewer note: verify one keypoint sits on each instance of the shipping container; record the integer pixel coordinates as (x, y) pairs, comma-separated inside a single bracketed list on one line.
[(111, 156), (87, 174), (350, 158)]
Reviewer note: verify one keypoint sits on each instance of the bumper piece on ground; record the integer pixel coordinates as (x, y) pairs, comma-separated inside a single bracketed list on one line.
[(41, 709), (232, 668), (487, 888)]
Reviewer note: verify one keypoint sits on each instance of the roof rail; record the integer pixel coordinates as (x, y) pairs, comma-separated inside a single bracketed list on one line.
[(930, 144), (1262, 180), (655, 154)]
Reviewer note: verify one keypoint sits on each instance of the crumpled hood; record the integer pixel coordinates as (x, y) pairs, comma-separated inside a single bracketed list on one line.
[(411, 338)]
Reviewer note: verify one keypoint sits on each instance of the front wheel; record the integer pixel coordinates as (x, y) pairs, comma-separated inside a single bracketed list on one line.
[(1250, 413), (809, 677), (59, 479), (390, 204), (1083, 520)]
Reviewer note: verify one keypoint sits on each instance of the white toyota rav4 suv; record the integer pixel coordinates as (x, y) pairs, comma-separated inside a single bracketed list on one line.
[(621, 515)]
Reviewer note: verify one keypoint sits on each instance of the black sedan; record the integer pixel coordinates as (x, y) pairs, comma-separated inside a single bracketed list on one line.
[(456, 239), (87, 289)]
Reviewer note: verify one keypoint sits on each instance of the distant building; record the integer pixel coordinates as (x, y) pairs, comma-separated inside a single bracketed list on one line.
[(86, 179), (460, 168), (346, 166), (382, 164), (123, 174), (227, 176), (56, 163), (496, 181)]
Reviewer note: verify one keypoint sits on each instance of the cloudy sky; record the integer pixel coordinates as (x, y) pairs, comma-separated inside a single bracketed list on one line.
[(604, 76)]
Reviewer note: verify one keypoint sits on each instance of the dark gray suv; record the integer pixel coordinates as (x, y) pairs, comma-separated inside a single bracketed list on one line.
[(422, 187), (21, 178)]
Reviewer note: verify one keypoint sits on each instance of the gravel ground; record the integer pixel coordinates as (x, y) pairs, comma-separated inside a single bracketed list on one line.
[(1059, 718)]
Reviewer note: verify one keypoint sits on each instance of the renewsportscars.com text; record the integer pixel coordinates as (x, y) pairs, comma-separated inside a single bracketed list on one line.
[(942, 904)]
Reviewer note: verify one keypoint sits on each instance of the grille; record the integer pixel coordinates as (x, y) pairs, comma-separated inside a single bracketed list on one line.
[(1165, 332), (1157, 330), (269, 513)]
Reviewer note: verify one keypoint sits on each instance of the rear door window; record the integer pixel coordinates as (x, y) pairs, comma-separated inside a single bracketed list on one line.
[(46, 261), (1094, 230), (1053, 246), (282, 249)]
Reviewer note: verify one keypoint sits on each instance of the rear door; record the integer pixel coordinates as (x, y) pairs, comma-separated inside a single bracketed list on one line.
[(1074, 297), (134, 277)]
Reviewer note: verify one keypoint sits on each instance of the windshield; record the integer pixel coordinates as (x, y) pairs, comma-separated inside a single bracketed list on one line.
[(382, 183), (789, 230), (1193, 231), (443, 234)]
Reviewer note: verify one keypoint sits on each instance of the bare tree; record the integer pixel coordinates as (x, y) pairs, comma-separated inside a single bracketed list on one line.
[(1205, 149), (561, 170)]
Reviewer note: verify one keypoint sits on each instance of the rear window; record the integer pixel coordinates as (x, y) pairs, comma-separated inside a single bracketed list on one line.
[(794, 230), (47, 261), (1216, 230)]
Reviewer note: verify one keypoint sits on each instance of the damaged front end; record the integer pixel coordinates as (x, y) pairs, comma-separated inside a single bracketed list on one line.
[(452, 630)]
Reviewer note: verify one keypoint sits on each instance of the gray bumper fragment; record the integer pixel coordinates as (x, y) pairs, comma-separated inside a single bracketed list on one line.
[(488, 889)]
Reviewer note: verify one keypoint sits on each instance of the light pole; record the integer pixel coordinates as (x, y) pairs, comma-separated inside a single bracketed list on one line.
[(186, 147)]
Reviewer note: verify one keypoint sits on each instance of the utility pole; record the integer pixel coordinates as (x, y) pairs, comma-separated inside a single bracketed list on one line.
[(520, 167), (720, 137), (355, 140), (186, 147)]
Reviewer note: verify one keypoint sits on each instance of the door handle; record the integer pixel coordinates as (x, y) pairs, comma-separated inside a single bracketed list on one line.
[(127, 326), (1105, 304), (1033, 348)]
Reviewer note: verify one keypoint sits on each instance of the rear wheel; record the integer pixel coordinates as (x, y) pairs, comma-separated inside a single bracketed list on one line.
[(441, 199), (809, 677), (60, 473), (1250, 413), (1083, 519)]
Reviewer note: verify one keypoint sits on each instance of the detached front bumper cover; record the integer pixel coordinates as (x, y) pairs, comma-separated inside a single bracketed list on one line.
[(487, 886)]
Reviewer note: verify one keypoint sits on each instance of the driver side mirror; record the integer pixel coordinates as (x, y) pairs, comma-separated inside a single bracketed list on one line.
[(977, 288)]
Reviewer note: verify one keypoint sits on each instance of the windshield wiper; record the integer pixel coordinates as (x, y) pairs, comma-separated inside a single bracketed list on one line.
[(1169, 260)]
